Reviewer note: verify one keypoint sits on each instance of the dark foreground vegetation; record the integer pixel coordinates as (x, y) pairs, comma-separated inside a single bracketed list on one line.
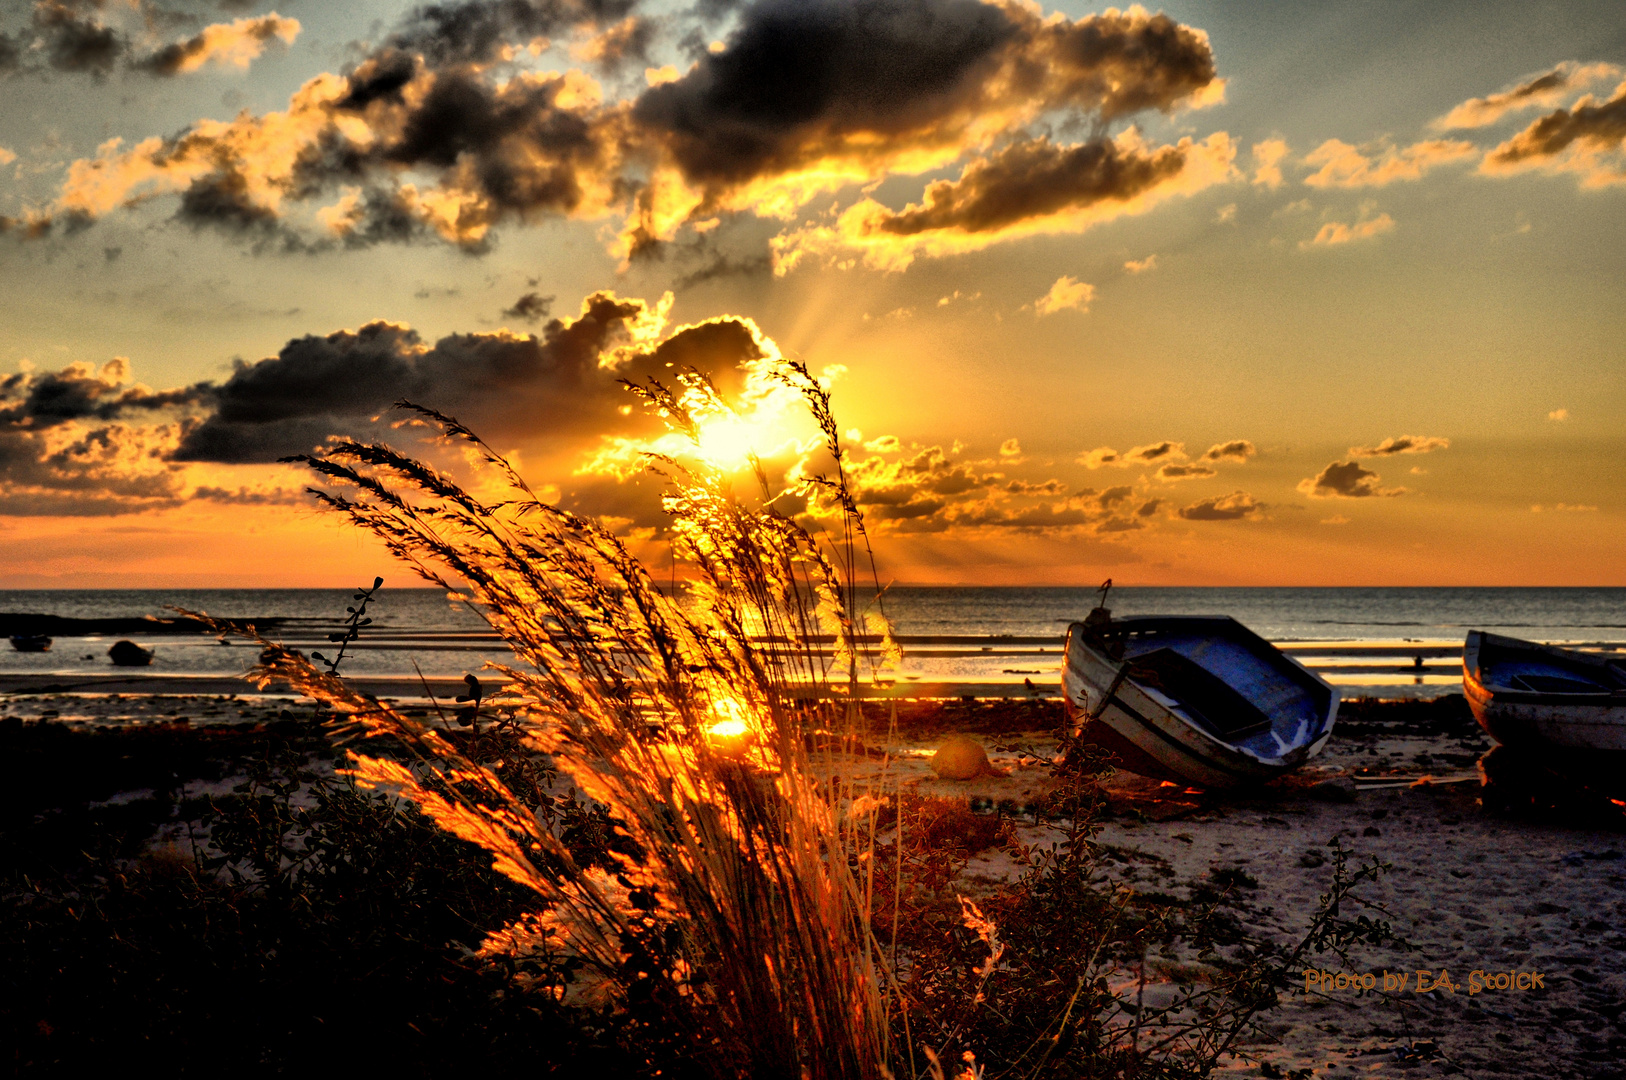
[(214, 898), (321, 927)]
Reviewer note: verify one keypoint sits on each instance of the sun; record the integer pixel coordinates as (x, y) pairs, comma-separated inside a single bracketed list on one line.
[(726, 440)]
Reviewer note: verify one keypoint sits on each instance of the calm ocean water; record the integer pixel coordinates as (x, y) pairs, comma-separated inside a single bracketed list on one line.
[(405, 617)]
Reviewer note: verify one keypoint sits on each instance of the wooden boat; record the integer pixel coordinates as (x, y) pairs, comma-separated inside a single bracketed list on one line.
[(1195, 698), (1541, 697), (31, 643)]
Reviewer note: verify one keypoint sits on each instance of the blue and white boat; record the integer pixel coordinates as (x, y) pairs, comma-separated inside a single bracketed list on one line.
[(1194, 698), (1542, 697)]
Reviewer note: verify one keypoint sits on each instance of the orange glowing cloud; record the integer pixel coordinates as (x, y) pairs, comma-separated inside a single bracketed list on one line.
[(1401, 444), (1333, 233), (234, 44), (1026, 189), (1587, 139), (1347, 480), (429, 136), (1267, 162), (1346, 166), (1066, 294), (1543, 91)]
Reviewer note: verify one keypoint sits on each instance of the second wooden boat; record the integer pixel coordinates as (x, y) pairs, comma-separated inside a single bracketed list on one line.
[(1542, 697), (1194, 698)]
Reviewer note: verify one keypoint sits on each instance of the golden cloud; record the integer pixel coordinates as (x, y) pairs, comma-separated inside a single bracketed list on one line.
[(1347, 480), (1232, 450), (1236, 506), (1401, 444), (1542, 91), (1267, 162), (1346, 166), (427, 137), (1029, 188), (1067, 293), (1334, 233), (1587, 139), (1172, 473), (234, 44)]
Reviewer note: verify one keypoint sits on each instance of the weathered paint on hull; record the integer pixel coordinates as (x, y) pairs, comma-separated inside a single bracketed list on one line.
[(1147, 738), (1542, 721), (1525, 721)]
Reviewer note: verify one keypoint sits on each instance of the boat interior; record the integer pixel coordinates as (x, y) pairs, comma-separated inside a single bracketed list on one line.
[(1206, 698), (1537, 671), (1225, 681)]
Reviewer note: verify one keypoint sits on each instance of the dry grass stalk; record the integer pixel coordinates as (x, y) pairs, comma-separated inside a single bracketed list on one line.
[(733, 909)]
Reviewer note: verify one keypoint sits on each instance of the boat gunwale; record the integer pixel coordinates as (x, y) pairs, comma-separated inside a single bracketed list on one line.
[(1473, 669)]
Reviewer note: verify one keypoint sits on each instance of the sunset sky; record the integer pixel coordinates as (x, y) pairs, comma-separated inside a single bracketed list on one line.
[(1219, 294)]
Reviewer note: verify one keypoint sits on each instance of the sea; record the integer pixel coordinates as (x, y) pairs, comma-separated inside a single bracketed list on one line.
[(1360, 639)]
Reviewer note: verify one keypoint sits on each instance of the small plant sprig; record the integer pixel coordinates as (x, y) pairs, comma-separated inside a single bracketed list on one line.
[(352, 626)]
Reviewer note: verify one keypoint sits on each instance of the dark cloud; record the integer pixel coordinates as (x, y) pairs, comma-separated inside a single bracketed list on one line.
[(1048, 488), (805, 96), (505, 384), (73, 36), (1401, 444), (800, 77), (723, 265), (1594, 125), (1148, 508), (1173, 472), (917, 485), (1346, 480), (1036, 179), (1234, 450), (85, 441), (76, 41), (530, 307), (245, 496), (1545, 89), (1055, 516), (928, 489), (224, 202), (384, 215), (80, 392), (1233, 507), (478, 33), (522, 148), (1151, 454)]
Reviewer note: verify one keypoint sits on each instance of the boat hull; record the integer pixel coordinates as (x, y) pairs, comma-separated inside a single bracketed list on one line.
[(1147, 732), (1496, 677)]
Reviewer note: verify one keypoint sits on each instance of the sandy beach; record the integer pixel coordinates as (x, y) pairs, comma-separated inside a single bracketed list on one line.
[(1469, 890)]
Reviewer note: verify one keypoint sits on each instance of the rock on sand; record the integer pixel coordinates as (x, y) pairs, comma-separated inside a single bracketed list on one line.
[(962, 758)]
